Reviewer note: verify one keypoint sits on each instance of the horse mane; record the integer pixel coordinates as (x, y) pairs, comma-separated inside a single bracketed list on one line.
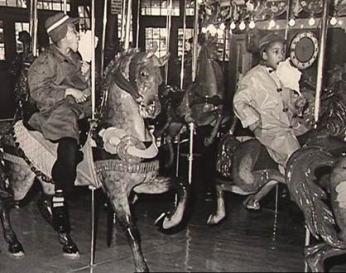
[(119, 66), (333, 103)]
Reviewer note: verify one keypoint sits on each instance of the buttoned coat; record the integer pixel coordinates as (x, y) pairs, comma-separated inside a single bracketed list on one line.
[(48, 77), (261, 101)]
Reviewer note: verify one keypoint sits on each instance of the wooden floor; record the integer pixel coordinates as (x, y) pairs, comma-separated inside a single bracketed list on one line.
[(245, 241)]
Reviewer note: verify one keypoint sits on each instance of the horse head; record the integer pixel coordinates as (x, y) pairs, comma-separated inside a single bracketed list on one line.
[(139, 74), (203, 102), (130, 95)]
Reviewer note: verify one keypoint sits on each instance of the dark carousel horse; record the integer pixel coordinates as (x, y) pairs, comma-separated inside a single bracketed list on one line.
[(19, 70), (201, 103), (315, 177), (124, 159)]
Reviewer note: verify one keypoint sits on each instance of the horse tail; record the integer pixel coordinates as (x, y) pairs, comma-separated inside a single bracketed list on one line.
[(306, 190)]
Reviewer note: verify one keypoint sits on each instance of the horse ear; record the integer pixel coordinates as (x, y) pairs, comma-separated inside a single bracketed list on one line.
[(152, 50), (164, 59)]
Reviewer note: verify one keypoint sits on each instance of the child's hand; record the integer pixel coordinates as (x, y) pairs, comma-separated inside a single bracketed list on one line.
[(85, 69), (300, 104), (78, 95)]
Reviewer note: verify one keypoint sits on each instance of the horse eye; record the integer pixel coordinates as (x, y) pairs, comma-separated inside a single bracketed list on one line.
[(144, 74)]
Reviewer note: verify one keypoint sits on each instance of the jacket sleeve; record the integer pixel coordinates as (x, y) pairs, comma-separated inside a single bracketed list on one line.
[(243, 103), (41, 78)]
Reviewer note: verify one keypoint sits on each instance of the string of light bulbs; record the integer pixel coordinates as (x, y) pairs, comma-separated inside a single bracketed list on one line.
[(243, 24)]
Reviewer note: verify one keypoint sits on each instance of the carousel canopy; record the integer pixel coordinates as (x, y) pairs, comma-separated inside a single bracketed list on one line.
[(235, 11)]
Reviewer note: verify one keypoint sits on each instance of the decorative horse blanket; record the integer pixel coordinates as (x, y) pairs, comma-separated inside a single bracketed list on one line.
[(43, 153)]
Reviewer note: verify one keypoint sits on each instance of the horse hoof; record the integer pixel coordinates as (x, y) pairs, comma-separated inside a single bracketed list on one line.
[(16, 250), (215, 219), (167, 221), (145, 268), (69, 248), (251, 204), (170, 222)]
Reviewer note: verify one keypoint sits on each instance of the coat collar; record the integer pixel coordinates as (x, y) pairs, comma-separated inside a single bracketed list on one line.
[(268, 68), (73, 59)]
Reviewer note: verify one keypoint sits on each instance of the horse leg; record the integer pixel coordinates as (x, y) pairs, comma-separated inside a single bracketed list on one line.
[(6, 199), (220, 213), (252, 201), (21, 179), (317, 254), (170, 156), (164, 184), (114, 184), (14, 246)]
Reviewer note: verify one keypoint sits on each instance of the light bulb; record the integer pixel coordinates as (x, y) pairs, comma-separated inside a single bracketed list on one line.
[(222, 26), (333, 21), (291, 22), (312, 21), (212, 30), (242, 25), (233, 25), (271, 24), (252, 24)]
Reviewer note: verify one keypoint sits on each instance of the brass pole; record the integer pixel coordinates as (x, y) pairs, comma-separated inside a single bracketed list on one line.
[(31, 22), (128, 20), (137, 27), (123, 22), (33, 26), (103, 37), (183, 51), (65, 6), (321, 55), (93, 64), (195, 42), (194, 68), (288, 15), (93, 73), (168, 32)]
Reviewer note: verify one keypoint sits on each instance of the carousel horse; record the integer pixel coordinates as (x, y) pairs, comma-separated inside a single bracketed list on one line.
[(123, 161), (315, 177), (201, 103), (246, 167)]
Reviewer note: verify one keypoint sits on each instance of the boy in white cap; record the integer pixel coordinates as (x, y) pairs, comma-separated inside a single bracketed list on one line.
[(59, 85), (266, 107)]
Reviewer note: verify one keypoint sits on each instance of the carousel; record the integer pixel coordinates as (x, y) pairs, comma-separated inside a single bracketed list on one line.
[(170, 180)]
